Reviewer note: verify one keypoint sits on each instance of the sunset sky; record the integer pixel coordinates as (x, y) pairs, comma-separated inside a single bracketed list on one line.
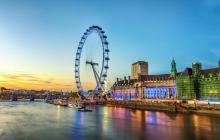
[(39, 38)]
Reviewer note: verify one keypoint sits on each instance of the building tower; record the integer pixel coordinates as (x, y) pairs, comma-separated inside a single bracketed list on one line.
[(196, 69), (139, 68), (219, 66), (173, 68), (196, 72)]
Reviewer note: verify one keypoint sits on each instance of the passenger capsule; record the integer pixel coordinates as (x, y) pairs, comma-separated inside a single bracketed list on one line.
[(106, 50), (83, 37)]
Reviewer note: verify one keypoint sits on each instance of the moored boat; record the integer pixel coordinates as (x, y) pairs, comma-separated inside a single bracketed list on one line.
[(73, 106), (84, 109)]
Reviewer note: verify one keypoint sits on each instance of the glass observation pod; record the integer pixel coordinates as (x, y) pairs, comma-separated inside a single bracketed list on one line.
[(106, 50), (97, 27), (104, 36), (106, 67), (83, 37), (85, 33), (102, 32), (107, 58), (94, 26), (106, 43), (104, 75)]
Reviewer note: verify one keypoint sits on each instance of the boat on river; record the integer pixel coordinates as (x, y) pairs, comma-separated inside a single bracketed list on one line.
[(74, 106), (61, 103), (84, 109)]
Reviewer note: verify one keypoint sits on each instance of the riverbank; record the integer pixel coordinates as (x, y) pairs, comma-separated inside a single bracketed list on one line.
[(203, 108), (39, 120)]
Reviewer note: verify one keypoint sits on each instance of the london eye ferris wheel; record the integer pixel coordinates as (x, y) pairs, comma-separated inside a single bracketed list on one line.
[(99, 76)]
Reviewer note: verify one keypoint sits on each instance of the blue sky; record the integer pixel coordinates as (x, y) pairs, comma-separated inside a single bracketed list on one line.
[(40, 37)]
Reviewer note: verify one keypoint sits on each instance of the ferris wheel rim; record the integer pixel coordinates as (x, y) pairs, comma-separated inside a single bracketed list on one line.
[(105, 58)]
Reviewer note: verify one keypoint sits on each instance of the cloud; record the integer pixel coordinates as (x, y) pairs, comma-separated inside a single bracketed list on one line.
[(24, 77), (28, 80)]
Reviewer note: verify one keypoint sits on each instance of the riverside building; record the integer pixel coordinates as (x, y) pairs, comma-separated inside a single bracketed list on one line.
[(192, 83)]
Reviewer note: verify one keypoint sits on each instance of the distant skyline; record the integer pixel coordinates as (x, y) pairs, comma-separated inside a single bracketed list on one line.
[(39, 38)]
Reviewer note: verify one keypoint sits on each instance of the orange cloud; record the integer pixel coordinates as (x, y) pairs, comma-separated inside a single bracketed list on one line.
[(33, 81)]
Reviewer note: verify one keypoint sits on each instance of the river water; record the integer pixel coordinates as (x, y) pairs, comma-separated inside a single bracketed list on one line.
[(41, 121)]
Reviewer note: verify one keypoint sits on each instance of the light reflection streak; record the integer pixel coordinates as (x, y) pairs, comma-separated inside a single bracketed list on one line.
[(82, 119), (202, 124), (58, 116), (105, 120)]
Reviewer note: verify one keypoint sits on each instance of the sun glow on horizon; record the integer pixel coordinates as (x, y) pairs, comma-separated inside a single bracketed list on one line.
[(22, 80)]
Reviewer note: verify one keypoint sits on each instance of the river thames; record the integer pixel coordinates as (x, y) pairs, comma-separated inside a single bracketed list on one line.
[(38, 121)]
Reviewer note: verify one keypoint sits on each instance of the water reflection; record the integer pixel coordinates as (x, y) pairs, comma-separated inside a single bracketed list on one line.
[(43, 121)]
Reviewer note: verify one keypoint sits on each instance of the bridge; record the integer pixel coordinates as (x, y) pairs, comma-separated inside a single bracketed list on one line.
[(30, 97)]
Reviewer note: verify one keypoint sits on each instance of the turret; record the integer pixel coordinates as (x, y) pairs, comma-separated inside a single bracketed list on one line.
[(219, 66), (125, 79), (196, 69), (173, 68)]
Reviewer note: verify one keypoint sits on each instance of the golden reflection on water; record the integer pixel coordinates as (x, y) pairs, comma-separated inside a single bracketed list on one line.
[(58, 113), (136, 119), (58, 116), (105, 119), (202, 124)]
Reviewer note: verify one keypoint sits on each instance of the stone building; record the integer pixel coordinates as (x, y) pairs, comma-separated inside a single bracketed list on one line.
[(192, 83), (143, 85), (139, 68), (198, 83)]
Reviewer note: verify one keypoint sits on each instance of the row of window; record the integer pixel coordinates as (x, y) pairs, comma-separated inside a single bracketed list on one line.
[(163, 92)]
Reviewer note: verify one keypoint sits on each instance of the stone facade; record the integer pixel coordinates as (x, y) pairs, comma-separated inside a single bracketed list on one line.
[(139, 68), (192, 83)]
